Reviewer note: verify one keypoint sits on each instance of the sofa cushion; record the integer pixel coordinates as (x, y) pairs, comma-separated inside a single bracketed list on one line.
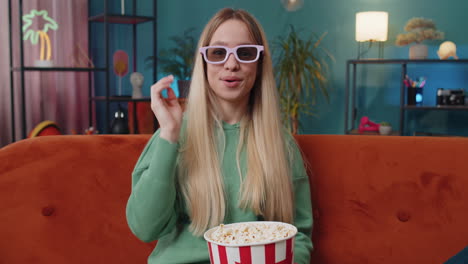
[(387, 199), (64, 197)]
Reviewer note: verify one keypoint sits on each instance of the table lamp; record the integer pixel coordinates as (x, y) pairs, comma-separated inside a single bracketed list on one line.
[(371, 27)]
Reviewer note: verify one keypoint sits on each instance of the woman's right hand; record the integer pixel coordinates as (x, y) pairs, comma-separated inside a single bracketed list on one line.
[(168, 111)]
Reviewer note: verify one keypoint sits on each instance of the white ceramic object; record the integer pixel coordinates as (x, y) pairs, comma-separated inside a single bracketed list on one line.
[(43, 63), (418, 52), (385, 130), (137, 79), (446, 50)]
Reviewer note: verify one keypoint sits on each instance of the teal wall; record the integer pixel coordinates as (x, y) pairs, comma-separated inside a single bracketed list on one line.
[(379, 85)]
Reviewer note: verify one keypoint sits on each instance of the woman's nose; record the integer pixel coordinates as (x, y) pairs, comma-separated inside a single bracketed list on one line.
[(231, 63)]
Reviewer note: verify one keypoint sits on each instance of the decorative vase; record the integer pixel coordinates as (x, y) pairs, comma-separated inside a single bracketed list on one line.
[(385, 130), (418, 52)]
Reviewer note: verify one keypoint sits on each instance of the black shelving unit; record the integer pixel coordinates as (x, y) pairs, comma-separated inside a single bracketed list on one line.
[(12, 90), (22, 69), (110, 18), (56, 69), (106, 18), (350, 90)]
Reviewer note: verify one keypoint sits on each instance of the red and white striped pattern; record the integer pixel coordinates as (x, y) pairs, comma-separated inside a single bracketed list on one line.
[(274, 253)]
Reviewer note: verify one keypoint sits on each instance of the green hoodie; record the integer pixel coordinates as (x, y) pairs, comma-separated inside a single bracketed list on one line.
[(154, 213)]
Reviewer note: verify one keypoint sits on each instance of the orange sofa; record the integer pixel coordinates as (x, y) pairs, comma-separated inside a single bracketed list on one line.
[(377, 199)]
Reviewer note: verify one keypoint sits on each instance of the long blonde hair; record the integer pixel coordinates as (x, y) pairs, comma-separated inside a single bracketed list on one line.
[(267, 187)]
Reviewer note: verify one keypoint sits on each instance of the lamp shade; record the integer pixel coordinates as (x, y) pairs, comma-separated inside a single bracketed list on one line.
[(371, 26)]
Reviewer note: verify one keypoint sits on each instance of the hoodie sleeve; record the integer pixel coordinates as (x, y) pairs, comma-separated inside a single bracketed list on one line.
[(151, 208)]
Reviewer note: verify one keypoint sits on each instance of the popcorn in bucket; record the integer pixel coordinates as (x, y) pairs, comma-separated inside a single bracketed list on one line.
[(251, 243)]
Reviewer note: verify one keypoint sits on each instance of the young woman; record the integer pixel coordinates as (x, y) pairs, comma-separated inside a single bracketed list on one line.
[(228, 159)]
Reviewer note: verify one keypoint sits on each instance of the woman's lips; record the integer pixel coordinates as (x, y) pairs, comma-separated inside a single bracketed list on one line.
[(232, 82)]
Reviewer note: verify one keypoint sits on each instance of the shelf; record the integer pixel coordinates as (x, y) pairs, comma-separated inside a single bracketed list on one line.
[(404, 61), (121, 99), (351, 88), (428, 134), (442, 107), (370, 133), (103, 94), (56, 69), (128, 99), (121, 19)]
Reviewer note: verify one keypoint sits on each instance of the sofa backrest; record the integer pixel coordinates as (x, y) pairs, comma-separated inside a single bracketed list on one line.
[(63, 200), (387, 199), (376, 199)]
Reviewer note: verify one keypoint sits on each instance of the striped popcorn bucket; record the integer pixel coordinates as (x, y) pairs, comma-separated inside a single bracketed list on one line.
[(280, 251)]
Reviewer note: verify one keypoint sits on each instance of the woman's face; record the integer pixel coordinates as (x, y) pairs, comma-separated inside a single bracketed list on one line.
[(232, 81)]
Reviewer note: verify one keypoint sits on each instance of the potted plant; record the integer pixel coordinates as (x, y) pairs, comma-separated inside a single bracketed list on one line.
[(178, 60), (385, 128), (418, 29), (301, 71)]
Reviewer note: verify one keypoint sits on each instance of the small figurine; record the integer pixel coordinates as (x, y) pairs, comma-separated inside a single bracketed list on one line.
[(137, 79), (446, 50), (366, 125), (119, 124), (91, 131), (88, 131)]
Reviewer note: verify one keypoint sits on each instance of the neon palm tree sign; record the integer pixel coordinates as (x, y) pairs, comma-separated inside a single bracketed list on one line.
[(34, 35)]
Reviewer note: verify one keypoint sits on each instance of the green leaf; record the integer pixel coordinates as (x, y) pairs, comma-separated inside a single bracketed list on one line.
[(177, 60), (301, 71)]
